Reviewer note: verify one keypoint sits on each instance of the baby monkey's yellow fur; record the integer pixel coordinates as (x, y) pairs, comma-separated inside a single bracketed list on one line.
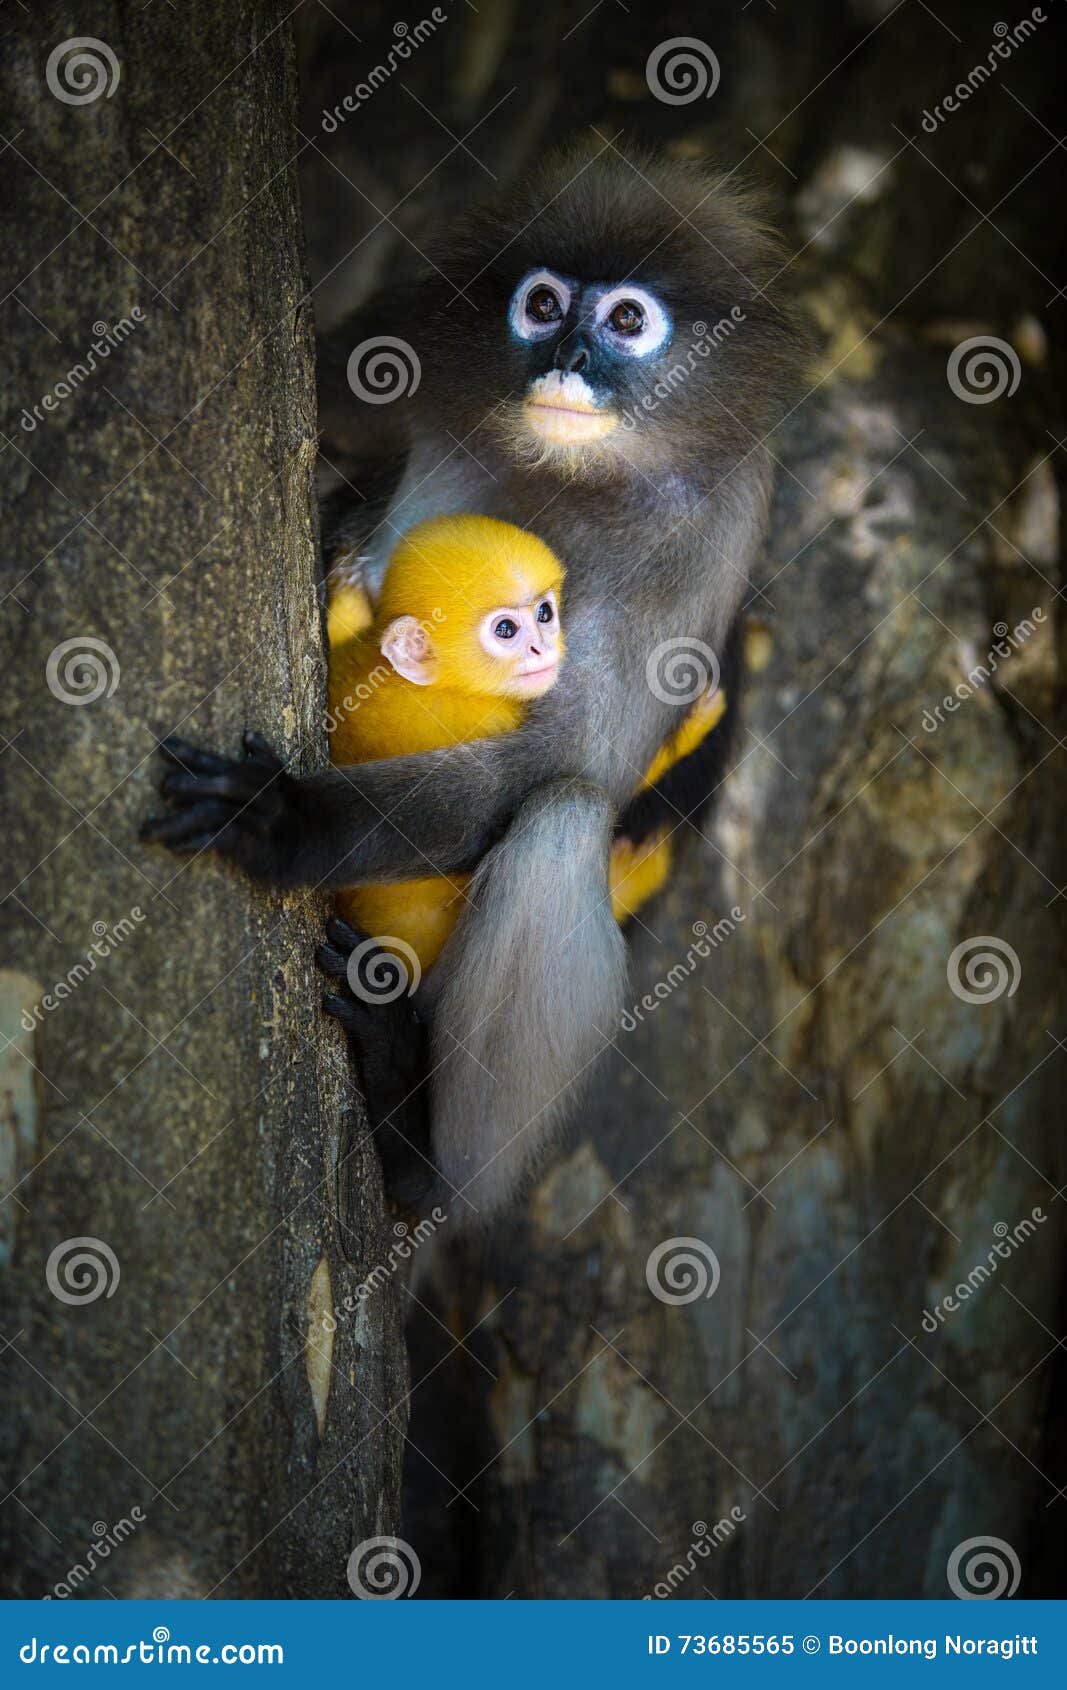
[(443, 580)]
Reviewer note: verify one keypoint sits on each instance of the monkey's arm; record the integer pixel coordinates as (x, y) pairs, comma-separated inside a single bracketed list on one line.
[(430, 813), (440, 811), (395, 819)]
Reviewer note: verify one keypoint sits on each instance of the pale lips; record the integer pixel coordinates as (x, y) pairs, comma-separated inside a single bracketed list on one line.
[(568, 424), (541, 673)]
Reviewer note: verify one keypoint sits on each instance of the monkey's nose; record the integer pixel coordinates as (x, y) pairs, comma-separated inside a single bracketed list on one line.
[(575, 359)]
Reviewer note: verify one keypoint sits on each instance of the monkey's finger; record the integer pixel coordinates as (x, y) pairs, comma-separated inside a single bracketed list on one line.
[(237, 805), (208, 841), (261, 749), (231, 784), (180, 825), (191, 757), (341, 1009), (332, 962), (340, 934)]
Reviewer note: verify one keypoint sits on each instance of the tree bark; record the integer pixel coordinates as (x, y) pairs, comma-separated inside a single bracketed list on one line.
[(812, 1101), (175, 1098)]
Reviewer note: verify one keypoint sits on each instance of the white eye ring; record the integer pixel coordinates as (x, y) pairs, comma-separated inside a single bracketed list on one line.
[(524, 326), (657, 323)]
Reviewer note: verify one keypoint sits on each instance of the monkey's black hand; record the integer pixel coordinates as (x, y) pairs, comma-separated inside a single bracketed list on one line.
[(247, 808), (390, 1042)]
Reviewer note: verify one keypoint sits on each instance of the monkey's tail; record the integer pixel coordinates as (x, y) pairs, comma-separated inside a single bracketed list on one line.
[(534, 989)]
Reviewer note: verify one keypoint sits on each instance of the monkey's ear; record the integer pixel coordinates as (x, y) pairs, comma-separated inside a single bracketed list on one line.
[(408, 647)]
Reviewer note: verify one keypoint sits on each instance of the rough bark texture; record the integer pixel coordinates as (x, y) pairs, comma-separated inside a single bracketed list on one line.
[(812, 1101), (183, 1103)]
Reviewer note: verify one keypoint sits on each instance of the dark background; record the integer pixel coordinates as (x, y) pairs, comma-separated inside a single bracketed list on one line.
[(888, 565), (813, 1102)]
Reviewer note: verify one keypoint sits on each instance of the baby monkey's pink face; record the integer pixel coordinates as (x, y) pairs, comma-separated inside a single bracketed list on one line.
[(527, 638)]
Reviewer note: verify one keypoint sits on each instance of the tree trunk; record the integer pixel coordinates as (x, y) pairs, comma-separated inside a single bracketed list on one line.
[(812, 1101), (178, 1417)]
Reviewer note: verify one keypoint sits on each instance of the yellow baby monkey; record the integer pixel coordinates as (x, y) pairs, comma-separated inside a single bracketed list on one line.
[(467, 632)]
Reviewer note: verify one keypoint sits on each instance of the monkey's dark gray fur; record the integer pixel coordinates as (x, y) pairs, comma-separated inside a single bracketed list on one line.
[(658, 528)]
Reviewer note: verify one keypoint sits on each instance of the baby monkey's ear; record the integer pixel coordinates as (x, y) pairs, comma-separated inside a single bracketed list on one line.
[(408, 647)]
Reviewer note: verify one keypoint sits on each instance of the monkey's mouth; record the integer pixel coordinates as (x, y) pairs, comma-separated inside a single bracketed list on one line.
[(537, 680), (563, 409), (568, 425)]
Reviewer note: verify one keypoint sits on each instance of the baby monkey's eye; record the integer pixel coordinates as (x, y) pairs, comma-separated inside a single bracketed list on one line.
[(543, 305), (544, 611), (627, 317), (505, 629)]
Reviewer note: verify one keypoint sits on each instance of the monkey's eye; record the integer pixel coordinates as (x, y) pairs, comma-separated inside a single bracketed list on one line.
[(633, 321), (545, 612), (539, 305), (627, 317), (543, 306), (505, 629)]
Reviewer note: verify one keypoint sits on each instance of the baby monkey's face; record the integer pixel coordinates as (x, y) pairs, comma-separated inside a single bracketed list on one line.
[(525, 640)]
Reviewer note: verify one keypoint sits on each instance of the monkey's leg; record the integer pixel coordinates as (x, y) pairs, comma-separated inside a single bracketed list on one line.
[(390, 1044), (531, 991)]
